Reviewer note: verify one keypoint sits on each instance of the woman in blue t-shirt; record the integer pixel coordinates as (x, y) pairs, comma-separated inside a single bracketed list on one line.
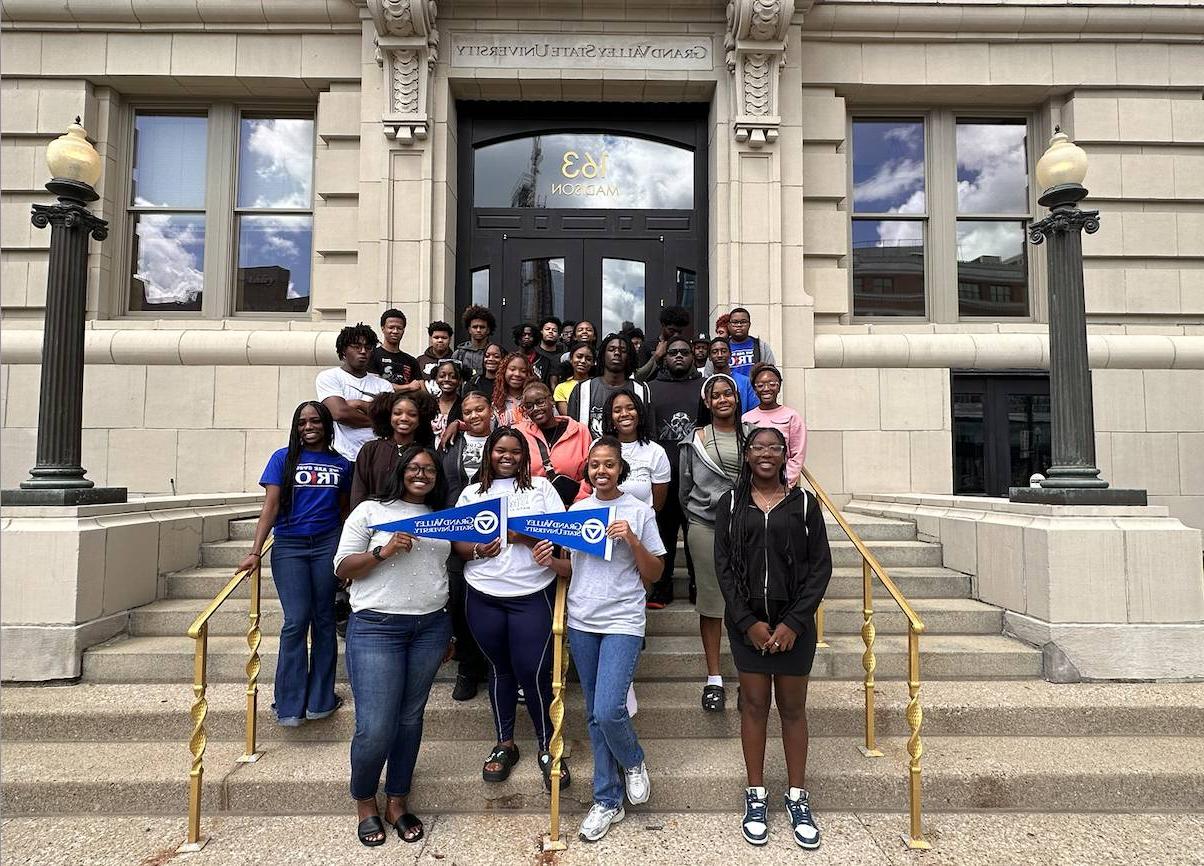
[(307, 487)]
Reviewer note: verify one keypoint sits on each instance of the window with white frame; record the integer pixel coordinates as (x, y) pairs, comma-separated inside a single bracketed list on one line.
[(220, 212), (939, 206)]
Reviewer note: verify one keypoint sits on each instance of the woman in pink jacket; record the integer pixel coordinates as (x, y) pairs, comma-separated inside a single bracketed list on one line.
[(556, 441), (767, 385)]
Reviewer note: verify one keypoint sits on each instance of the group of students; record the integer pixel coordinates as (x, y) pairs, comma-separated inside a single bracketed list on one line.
[(674, 439)]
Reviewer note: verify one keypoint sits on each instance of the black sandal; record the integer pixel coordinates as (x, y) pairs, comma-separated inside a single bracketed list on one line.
[(545, 766), (504, 757), (407, 822), (371, 826), (714, 699)]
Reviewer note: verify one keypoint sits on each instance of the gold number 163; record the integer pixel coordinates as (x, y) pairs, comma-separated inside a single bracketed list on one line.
[(577, 165)]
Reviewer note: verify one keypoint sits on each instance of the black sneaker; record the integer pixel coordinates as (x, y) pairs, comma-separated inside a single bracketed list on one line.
[(806, 831), (465, 688), (755, 826)]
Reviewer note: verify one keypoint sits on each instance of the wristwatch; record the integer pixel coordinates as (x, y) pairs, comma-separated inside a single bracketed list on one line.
[(376, 553)]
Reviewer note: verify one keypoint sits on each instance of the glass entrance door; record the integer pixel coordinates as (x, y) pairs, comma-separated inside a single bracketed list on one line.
[(1001, 432), (610, 282)]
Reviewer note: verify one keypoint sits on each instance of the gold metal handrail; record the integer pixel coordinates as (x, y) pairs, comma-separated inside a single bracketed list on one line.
[(199, 632), (871, 568), (560, 668)]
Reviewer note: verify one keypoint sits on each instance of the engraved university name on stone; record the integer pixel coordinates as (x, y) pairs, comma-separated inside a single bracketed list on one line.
[(548, 51)]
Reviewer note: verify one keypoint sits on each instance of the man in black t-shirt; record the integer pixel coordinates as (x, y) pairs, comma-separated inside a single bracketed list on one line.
[(388, 360), (549, 349)]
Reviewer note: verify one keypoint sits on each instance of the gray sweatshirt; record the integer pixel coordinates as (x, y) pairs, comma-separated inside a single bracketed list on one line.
[(703, 482)]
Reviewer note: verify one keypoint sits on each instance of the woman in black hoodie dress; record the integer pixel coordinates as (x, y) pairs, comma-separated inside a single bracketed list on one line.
[(773, 564)]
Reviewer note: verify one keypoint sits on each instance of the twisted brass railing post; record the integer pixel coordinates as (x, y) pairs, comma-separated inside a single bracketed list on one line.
[(820, 642), (560, 664), (196, 745), (915, 747), (868, 661), (254, 637)]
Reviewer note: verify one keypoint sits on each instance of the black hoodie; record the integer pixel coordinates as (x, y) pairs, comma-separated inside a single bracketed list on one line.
[(677, 402)]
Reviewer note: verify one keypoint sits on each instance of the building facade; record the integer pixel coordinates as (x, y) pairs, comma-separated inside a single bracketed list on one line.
[(859, 175)]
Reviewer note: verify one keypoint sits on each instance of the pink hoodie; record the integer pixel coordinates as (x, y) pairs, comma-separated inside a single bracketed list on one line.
[(791, 424)]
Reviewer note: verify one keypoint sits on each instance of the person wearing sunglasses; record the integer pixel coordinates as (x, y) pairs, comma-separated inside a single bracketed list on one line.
[(774, 564)]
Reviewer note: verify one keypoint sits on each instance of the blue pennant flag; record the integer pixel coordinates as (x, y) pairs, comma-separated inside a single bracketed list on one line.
[(478, 522), (583, 530)]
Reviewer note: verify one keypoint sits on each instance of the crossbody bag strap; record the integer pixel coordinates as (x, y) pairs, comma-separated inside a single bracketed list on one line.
[(545, 456)]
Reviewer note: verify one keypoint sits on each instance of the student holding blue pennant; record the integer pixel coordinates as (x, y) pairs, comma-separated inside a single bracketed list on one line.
[(606, 619), (582, 529), (477, 523), (510, 593)]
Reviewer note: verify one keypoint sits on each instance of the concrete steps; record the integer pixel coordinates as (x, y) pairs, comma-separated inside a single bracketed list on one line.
[(667, 657), (960, 774), (172, 616), (1010, 708)]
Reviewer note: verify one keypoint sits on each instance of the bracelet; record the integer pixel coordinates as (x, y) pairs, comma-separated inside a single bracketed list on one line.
[(253, 553), (475, 551)]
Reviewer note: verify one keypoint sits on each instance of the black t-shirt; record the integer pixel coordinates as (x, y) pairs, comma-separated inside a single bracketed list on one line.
[(551, 364), (398, 368)]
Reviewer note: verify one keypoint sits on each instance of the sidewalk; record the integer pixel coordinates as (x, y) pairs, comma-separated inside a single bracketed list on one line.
[(648, 839)]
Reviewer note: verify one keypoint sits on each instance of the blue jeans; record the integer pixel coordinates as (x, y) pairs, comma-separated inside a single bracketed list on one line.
[(392, 659), (303, 571), (606, 664)]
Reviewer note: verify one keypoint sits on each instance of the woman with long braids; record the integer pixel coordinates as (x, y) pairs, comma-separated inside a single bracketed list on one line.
[(448, 376), (399, 634), (774, 564), (510, 595), (399, 421), (513, 375), (486, 380), (606, 621), (306, 487), (710, 467), (625, 416)]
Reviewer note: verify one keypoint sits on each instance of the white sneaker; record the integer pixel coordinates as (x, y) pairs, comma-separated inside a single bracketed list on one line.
[(598, 821), (639, 788), (798, 807)]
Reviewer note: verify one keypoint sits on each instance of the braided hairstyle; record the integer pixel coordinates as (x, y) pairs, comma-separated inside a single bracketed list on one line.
[(741, 500), (500, 391), (296, 446), (395, 488), (705, 419), (522, 478)]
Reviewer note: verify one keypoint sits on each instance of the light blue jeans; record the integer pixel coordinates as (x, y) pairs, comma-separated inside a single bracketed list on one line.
[(606, 664)]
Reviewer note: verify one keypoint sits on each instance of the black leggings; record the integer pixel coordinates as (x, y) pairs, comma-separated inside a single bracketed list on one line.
[(468, 655), (515, 636)]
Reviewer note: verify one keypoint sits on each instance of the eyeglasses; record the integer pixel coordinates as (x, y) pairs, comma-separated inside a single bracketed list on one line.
[(681, 352), (424, 471), (766, 449), (535, 404)]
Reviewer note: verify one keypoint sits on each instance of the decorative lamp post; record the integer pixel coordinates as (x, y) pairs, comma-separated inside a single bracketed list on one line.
[(1073, 479), (58, 478)]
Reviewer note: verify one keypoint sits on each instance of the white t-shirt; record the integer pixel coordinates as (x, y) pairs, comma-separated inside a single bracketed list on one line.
[(649, 465), (413, 582), (513, 572), (337, 382), (608, 597)]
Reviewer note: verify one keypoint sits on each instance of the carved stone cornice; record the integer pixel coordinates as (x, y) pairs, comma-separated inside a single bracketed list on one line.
[(756, 49), (407, 48)]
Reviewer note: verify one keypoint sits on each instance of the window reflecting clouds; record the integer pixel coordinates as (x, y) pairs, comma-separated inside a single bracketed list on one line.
[(169, 161), (888, 268), (274, 263), (992, 268), (992, 171), (480, 287), (888, 166), (275, 162), (169, 256), (623, 292), (583, 170)]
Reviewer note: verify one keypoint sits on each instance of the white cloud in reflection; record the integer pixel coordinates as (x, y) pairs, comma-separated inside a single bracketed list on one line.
[(893, 179), (900, 233), (170, 255), (622, 294), (1004, 240), (279, 155), (991, 168)]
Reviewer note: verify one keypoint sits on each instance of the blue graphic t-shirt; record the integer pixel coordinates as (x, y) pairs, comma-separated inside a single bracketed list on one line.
[(317, 484), (742, 356)]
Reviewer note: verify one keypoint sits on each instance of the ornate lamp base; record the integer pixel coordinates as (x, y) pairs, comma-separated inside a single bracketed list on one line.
[(63, 496), (1077, 496)]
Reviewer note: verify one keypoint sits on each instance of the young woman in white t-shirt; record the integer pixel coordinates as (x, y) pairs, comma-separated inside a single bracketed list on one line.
[(626, 417), (606, 633), (509, 601)]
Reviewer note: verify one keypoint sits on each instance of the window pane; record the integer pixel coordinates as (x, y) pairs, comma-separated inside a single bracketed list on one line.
[(275, 162), (969, 454), (622, 294), (888, 268), (1028, 436), (583, 170), (687, 284), (169, 161), (992, 174), (169, 256), (480, 287), (888, 166), (273, 264), (992, 269), (542, 283)]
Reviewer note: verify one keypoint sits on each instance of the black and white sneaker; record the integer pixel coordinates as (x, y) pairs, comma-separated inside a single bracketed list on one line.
[(756, 824), (806, 831)]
